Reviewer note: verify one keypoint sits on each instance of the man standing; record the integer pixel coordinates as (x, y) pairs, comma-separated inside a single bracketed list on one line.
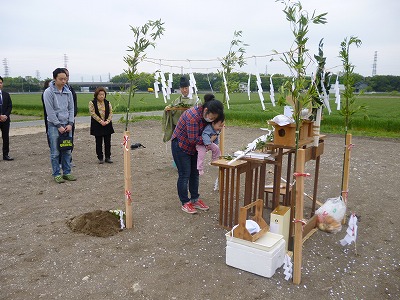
[(5, 111), (174, 110), (59, 106)]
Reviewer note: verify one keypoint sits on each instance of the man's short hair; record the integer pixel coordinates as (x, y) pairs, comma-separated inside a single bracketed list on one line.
[(58, 71), (183, 82)]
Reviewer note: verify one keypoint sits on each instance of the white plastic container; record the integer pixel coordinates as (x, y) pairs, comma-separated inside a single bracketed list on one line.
[(262, 257)]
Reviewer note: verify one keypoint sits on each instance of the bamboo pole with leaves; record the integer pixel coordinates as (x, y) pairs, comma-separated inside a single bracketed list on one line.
[(234, 57), (348, 109), (144, 37), (296, 92)]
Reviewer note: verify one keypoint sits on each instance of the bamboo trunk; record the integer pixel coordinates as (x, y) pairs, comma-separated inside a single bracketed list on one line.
[(298, 225), (346, 172), (127, 180)]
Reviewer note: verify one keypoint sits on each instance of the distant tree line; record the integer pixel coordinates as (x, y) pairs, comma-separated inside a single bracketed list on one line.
[(143, 81)]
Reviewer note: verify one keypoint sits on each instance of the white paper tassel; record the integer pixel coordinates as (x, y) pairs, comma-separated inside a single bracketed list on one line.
[(121, 219), (248, 86), (226, 89), (156, 83), (252, 146), (163, 86), (169, 85), (260, 91), (216, 185), (271, 91), (351, 231), (288, 267), (192, 87), (337, 93)]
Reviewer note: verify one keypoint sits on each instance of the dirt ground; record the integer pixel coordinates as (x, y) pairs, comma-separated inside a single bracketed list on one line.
[(172, 255)]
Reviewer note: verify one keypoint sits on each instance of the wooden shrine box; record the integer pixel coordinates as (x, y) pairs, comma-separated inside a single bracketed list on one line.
[(284, 135)]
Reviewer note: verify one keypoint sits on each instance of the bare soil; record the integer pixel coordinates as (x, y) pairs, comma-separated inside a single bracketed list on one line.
[(172, 255)]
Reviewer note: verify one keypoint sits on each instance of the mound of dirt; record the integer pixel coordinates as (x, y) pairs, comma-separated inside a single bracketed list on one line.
[(96, 223)]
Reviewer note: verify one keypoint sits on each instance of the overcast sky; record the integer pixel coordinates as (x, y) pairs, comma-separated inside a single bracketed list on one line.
[(94, 35)]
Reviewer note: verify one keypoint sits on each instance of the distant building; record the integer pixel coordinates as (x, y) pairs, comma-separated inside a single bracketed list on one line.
[(360, 86), (243, 87)]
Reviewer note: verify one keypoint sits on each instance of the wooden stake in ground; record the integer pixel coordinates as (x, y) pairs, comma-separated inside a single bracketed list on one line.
[(298, 225), (222, 141), (346, 171), (127, 180)]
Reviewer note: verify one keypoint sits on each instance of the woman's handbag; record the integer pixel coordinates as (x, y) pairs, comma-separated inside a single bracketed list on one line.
[(65, 142)]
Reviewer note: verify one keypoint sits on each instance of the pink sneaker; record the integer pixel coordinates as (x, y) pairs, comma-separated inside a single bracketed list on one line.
[(189, 208), (200, 205)]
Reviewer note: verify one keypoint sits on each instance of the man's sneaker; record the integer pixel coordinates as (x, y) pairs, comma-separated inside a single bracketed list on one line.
[(200, 205), (189, 208), (69, 177), (59, 179)]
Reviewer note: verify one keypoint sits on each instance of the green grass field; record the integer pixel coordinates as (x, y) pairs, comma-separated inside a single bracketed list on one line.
[(383, 111)]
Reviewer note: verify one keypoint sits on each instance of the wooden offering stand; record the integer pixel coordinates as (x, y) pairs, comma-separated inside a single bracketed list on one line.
[(229, 190), (241, 231)]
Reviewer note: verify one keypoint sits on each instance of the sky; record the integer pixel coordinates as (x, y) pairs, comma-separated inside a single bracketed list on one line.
[(93, 36)]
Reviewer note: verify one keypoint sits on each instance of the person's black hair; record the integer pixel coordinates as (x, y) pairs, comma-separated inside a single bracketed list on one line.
[(58, 71), (1, 78), (46, 84), (213, 105), (221, 117), (184, 82)]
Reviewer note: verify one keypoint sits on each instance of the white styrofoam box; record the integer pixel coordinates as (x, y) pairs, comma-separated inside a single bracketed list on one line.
[(261, 257)]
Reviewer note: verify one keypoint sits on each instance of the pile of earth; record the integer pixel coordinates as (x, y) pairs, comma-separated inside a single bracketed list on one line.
[(96, 223)]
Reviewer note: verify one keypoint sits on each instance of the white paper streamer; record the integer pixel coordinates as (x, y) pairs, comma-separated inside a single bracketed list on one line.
[(209, 83), (337, 93), (163, 86), (170, 80), (252, 146), (287, 267), (156, 83), (216, 185), (226, 89), (260, 90), (351, 231), (193, 87), (121, 219), (271, 91), (248, 86)]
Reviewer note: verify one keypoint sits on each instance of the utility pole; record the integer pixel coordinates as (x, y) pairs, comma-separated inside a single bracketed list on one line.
[(6, 69), (374, 65), (65, 61)]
